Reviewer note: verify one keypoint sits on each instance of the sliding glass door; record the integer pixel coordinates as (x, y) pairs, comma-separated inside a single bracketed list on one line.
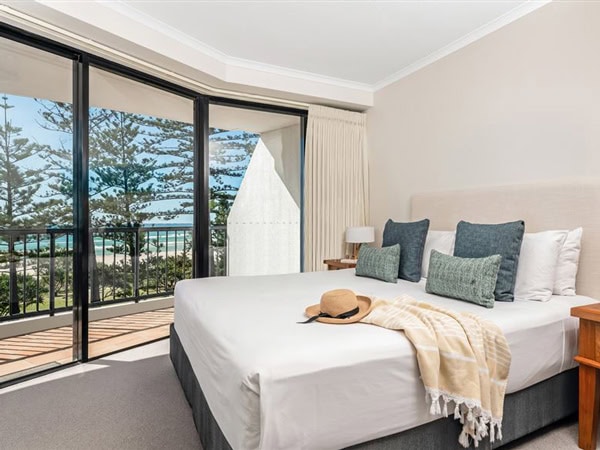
[(255, 191), (36, 210), (141, 207)]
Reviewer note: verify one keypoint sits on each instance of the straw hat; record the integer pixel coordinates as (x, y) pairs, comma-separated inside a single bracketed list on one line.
[(339, 306)]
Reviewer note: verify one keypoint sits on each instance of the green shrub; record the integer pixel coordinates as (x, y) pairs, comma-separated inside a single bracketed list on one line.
[(26, 291)]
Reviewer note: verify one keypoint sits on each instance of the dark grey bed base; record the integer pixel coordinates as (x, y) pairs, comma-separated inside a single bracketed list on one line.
[(524, 412)]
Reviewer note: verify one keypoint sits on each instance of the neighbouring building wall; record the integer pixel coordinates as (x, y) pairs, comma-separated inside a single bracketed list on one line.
[(284, 146), (263, 227), (521, 104)]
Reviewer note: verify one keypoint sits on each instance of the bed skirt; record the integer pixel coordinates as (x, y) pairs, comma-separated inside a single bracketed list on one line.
[(524, 412)]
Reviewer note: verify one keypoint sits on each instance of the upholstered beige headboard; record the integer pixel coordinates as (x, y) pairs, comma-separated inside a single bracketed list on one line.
[(543, 206)]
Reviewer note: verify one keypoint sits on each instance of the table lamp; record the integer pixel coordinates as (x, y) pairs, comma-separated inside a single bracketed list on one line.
[(357, 236)]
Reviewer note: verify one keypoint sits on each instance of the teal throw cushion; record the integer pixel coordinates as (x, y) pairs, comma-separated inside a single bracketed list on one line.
[(411, 238), (469, 279), (474, 240), (379, 263)]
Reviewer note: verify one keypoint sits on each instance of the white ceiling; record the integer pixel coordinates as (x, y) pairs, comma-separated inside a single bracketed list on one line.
[(358, 41), (337, 53)]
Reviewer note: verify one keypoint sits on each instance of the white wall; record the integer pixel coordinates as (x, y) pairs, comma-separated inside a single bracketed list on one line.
[(263, 226), (284, 146), (522, 104)]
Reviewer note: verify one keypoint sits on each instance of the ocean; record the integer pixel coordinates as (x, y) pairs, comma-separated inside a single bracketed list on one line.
[(166, 237)]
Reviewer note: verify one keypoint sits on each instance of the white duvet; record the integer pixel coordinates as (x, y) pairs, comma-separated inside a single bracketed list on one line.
[(274, 384)]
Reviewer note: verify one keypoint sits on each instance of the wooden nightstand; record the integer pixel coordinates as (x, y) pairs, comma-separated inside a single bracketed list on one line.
[(589, 373), (336, 264)]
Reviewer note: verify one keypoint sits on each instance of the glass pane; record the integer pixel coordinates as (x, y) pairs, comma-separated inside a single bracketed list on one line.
[(36, 210), (255, 165), (141, 200)]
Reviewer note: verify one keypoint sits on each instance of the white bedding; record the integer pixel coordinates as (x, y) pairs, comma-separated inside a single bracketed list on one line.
[(274, 384)]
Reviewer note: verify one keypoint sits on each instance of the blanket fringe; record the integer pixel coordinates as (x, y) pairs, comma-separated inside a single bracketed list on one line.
[(477, 423), (497, 423), (435, 405), (463, 439)]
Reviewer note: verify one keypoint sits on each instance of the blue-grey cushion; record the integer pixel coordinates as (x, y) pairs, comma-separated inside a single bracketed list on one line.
[(480, 240), (411, 238), (469, 279), (379, 263)]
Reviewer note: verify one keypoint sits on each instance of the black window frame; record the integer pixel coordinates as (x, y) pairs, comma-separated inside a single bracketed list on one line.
[(82, 61)]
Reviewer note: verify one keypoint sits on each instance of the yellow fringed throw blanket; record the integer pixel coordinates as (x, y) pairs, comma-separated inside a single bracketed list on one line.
[(463, 360)]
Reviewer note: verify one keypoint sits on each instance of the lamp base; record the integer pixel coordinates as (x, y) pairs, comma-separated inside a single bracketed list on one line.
[(355, 249)]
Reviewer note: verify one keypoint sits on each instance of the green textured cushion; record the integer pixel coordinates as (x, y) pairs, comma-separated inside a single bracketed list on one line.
[(470, 279), (379, 263)]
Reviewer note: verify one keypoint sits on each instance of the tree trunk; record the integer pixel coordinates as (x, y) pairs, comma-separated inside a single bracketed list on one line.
[(13, 292)]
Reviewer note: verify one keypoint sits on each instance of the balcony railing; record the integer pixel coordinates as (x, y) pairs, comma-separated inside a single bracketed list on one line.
[(130, 264)]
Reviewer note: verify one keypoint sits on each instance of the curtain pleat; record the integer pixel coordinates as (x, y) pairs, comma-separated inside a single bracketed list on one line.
[(335, 183)]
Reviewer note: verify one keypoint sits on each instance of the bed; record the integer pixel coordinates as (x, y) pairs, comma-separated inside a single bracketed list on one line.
[(256, 379)]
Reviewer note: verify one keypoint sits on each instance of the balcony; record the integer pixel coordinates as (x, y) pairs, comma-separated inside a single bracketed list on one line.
[(50, 348), (132, 279), (131, 264)]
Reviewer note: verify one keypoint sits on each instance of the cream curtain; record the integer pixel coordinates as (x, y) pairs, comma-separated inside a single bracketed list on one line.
[(335, 182)]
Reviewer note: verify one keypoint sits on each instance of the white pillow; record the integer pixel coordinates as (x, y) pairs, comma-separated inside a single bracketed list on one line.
[(442, 241), (568, 263), (537, 264)]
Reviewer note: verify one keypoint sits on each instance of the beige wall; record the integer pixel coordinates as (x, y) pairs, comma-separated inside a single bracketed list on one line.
[(522, 104)]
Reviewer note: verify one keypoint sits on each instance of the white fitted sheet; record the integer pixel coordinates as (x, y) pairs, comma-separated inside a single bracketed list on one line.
[(274, 384)]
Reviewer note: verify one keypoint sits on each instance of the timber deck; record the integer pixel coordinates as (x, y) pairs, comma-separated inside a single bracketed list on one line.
[(20, 355)]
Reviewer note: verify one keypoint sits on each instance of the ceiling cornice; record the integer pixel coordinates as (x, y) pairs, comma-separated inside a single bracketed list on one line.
[(469, 38), (512, 15)]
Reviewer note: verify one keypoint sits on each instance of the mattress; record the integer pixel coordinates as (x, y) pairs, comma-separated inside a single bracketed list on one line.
[(274, 384)]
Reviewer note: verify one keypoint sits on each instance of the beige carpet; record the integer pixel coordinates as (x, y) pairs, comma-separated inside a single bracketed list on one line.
[(132, 400)]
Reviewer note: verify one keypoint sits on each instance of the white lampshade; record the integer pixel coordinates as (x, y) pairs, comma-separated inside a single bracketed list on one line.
[(359, 235)]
